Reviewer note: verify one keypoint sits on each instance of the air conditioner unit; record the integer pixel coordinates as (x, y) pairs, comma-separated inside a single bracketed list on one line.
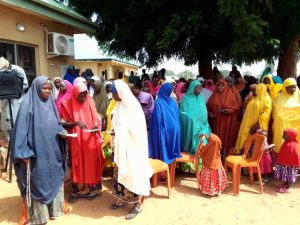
[(60, 44)]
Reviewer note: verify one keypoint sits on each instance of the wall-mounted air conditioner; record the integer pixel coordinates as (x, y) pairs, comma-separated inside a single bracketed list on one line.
[(60, 44)]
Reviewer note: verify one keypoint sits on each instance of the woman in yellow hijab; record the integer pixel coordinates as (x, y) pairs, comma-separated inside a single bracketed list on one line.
[(272, 88), (106, 145), (286, 112), (256, 116)]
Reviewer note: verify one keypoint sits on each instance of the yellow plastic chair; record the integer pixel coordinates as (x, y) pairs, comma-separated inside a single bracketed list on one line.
[(160, 166), (254, 145)]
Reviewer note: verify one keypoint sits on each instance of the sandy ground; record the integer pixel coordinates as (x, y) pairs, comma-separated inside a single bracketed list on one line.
[(186, 206)]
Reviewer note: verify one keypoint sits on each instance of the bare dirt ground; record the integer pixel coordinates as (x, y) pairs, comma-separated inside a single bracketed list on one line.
[(186, 206)]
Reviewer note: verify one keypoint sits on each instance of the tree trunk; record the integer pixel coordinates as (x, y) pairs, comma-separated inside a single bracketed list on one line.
[(287, 61), (205, 69)]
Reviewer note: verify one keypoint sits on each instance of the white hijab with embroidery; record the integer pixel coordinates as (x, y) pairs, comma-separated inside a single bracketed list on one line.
[(131, 143)]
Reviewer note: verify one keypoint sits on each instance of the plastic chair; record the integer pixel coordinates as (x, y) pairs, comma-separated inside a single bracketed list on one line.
[(160, 166), (254, 145), (187, 157)]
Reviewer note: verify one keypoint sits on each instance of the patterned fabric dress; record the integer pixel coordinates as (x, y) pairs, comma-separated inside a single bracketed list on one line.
[(39, 213), (213, 178), (212, 182), (122, 193)]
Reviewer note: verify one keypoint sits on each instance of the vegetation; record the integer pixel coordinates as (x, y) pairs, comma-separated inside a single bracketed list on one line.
[(221, 31)]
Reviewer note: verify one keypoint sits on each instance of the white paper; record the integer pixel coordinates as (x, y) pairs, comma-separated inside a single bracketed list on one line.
[(91, 130), (69, 135)]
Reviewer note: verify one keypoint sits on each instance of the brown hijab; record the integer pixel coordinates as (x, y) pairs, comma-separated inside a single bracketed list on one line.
[(210, 154)]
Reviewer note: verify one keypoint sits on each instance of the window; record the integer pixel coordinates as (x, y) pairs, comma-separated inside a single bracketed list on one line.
[(21, 55)]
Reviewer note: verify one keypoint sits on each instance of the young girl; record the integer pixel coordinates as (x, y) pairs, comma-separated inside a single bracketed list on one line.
[(266, 160), (287, 161), (213, 178)]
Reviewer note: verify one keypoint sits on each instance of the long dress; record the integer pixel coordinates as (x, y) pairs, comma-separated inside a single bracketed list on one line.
[(86, 153), (258, 110), (225, 125), (133, 170), (286, 113), (194, 119), (164, 134), (36, 137), (213, 178)]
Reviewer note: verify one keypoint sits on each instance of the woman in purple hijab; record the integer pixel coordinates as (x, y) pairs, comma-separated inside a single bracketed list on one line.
[(37, 146)]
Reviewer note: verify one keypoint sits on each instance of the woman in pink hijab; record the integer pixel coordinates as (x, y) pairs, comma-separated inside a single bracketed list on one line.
[(178, 91), (64, 94), (210, 85)]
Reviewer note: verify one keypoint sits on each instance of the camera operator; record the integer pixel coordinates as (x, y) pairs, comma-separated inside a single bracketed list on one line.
[(15, 103)]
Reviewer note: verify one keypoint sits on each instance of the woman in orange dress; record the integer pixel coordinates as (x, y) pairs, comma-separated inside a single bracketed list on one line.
[(223, 109)]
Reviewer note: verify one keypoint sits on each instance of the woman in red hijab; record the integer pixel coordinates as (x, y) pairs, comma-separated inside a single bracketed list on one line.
[(223, 109), (80, 116)]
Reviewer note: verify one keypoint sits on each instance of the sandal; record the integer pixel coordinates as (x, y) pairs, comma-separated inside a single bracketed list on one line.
[(116, 206), (133, 212), (279, 185), (282, 190)]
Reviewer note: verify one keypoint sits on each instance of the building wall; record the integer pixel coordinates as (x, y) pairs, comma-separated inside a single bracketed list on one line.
[(111, 67), (34, 36)]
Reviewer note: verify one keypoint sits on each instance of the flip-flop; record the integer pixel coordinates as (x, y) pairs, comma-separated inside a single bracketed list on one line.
[(116, 206), (282, 190), (133, 213), (279, 185)]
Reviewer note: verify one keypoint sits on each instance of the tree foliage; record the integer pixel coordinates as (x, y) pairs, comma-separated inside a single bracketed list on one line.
[(194, 30)]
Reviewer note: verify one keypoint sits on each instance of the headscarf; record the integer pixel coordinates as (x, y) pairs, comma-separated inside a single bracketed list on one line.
[(178, 91), (35, 136), (79, 80), (277, 79), (165, 122), (265, 72), (64, 96), (194, 119), (288, 82), (131, 144), (210, 154), (69, 77), (210, 85), (100, 98)]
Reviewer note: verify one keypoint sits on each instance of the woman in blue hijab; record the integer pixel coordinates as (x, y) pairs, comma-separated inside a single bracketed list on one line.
[(164, 134), (193, 116), (37, 146)]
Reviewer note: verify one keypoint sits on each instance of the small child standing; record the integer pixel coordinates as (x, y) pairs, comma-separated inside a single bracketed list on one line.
[(213, 178), (265, 164), (287, 161)]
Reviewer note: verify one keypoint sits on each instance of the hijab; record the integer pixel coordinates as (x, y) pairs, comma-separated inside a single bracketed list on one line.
[(100, 98), (63, 96)]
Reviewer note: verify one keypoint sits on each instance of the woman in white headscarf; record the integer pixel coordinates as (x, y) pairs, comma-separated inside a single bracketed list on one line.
[(132, 171)]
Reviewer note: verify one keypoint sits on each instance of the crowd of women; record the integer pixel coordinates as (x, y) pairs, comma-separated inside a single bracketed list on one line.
[(86, 124)]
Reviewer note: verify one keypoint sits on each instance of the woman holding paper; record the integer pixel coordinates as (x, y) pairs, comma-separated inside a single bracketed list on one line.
[(37, 148), (80, 116)]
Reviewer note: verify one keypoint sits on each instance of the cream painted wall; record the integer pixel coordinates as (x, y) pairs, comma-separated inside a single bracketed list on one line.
[(111, 68), (35, 36)]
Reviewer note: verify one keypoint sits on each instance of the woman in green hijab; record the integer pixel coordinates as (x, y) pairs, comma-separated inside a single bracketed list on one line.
[(193, 116)]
